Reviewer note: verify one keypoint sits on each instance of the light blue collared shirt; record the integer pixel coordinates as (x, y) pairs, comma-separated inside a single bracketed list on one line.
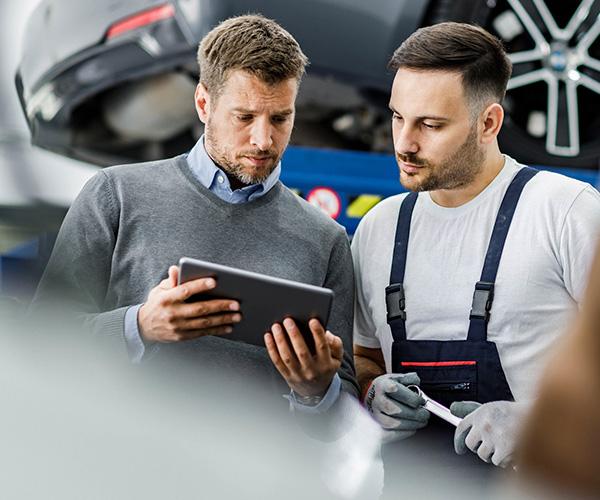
[(214, 179)]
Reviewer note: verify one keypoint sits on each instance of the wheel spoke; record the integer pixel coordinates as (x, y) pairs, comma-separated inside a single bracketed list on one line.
[(528, 78), (592, 63), (581, 14), (589, 83), (530, 26), (554, 115), (573, 119), (590, 37), (554, 30)]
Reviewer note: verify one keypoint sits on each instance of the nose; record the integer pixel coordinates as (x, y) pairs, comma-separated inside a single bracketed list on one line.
[(261, 136), (405, 139)]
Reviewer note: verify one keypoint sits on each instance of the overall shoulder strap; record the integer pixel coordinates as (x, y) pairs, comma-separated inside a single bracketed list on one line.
[(483, 295), (394, 293)]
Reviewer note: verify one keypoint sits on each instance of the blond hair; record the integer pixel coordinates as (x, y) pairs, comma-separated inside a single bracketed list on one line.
[(251, 43)]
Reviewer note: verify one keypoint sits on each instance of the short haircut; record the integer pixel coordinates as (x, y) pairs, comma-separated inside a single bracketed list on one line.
[(469, 50), (251, 43)]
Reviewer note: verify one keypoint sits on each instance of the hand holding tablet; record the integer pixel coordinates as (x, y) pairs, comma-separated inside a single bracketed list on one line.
[(166, 316), (308, 374)]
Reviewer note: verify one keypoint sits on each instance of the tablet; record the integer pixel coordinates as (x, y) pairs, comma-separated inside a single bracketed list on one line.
[(263, 299)]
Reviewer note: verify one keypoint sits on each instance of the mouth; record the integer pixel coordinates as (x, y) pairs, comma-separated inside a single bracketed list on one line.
[(258, 161), (409, 168)]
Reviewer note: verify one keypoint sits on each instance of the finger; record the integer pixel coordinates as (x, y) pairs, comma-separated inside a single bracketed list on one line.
[(420, 415), (274, 355), (167, 283), (205, 307), (300, 349), (404, 395), (283, 347), (463, 408), (209, 321), (408, 378), (408, 424), (173, 276), (485, 452), (502, 460), (462, 430), (473, 441), (321, 344), (393, 408), (389, 422), (184, 291), (336, 346)]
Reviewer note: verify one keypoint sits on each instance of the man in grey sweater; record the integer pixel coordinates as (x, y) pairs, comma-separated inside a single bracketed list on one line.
[(222, 202)]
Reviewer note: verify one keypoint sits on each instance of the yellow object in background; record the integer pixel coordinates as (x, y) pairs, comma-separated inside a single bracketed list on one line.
[(361, 205)]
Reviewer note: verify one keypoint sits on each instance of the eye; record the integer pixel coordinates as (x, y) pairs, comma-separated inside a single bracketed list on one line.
[(279, 119), (244, 118), (396, 116), (431, 126)]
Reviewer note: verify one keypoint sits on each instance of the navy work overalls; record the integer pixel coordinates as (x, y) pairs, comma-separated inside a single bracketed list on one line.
[(450, 370), (454, 370)]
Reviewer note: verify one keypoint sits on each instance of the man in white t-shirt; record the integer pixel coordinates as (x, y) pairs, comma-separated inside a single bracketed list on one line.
[(464, 284)]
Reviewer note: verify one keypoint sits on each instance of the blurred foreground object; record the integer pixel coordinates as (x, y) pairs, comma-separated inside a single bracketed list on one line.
[(76, 423), (562, 437)]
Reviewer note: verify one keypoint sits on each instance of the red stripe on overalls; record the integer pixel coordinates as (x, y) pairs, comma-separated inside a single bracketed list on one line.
[(438, 363)]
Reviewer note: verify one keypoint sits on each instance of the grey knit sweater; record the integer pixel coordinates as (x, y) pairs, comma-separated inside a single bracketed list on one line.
[(130, 223)]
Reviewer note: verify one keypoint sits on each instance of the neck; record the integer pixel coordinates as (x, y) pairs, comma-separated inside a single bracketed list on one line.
[(234, 182), (452, 198)]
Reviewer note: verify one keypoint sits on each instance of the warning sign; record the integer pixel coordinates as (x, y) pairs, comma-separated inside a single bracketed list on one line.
[(327, 200)]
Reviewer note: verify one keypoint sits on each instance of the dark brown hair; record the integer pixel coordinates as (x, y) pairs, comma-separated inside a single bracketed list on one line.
[(467, 49), (251, 43)]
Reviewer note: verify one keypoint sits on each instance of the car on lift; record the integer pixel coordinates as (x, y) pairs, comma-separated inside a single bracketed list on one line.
[(112, 81)]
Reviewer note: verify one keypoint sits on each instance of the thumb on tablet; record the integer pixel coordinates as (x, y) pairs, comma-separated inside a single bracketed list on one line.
[(335, 345), (173, 276)]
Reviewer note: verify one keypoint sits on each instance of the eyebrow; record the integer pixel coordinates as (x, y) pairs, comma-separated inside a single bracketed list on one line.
[(246, 111), (424, 117)]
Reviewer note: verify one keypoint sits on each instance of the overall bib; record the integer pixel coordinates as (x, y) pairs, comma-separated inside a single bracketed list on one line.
[(455, 370)]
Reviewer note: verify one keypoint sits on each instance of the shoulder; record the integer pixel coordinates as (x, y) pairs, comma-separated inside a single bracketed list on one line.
[(140, 171), (384, 213), (559, 193), (307, 214), (144, 181), (377, 227), (558, 184)]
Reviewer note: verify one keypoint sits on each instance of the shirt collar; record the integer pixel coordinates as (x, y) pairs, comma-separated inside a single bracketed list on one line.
[(208, 173)]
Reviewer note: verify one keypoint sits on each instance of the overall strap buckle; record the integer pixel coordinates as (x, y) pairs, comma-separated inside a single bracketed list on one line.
[(394, 301), (483, 296)]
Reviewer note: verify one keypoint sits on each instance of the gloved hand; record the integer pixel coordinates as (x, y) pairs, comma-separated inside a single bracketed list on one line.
[(395, 407), (490, 430)]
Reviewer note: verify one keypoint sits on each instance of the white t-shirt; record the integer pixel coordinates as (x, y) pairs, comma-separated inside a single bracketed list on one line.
[(541, 277)]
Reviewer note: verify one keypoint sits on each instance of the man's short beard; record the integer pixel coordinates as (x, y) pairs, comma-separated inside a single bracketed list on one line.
[(458, 170), (234, 168)]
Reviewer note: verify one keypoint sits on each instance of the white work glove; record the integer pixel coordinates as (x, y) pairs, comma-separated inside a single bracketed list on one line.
[(490, 430), (396, 408)]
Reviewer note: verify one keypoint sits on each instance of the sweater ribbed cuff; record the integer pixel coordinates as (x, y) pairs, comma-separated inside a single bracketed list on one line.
[(110, 322)]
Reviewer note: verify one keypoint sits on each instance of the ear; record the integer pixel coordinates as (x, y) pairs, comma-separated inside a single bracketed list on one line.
[(202, 102), (492, 118)]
